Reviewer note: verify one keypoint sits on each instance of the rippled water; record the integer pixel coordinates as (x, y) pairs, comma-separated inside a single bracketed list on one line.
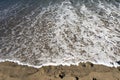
[(44, 32)]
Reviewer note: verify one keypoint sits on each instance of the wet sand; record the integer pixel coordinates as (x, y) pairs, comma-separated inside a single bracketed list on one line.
[(85, 71)]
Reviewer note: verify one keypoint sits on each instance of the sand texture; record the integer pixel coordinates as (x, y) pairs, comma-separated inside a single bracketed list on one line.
[(85, 71)]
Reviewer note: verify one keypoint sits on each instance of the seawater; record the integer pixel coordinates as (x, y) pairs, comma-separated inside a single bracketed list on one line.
[(60, 32)]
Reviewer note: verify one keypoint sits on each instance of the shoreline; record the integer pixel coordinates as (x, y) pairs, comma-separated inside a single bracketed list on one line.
[(54, 64), (83, 71)]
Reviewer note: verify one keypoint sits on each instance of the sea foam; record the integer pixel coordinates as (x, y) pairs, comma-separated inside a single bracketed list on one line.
[(64, 33)]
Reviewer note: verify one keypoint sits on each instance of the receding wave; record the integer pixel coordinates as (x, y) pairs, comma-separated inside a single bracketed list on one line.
[(39, 32)]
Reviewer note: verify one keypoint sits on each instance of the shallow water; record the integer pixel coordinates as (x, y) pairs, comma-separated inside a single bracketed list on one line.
[(58, 32)]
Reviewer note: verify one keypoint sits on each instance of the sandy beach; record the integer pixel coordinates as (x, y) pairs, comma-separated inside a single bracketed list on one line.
[(59, 32), (85, 71)]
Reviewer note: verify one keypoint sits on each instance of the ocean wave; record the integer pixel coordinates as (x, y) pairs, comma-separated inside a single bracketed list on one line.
[(64, 32)]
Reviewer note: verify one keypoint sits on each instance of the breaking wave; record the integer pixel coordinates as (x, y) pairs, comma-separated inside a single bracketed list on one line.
[(40, 33)]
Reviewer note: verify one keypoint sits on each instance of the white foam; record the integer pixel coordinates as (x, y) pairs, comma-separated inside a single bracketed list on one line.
[(84, 37)]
